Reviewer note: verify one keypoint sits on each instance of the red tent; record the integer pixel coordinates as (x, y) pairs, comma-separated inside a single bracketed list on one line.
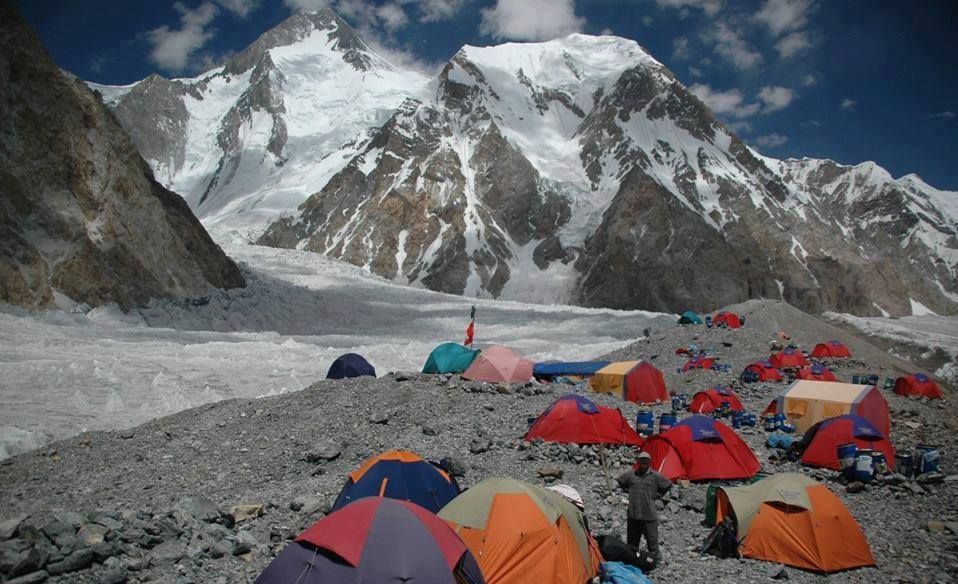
[(788, 358), (831, 349), (819, 445), (918, 384), (573, 419), (765, 371), (729, 319), (816, 372), (699, 362), (706, 402), (701, 449), (645, 385)]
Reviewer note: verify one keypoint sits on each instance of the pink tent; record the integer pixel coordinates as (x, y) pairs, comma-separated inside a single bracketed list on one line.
[(499, 365)]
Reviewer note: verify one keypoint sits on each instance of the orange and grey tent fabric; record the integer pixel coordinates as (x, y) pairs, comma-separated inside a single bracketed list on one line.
[(521, 533), (573, 419), (918, 384), (635, 381), (499, 365), (806, 403), (399, 474), (790, 519)]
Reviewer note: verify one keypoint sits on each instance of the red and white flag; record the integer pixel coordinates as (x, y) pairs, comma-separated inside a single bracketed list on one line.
[(471, 329)]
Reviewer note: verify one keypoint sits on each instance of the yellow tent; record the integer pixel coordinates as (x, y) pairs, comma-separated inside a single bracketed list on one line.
[(611, 378), (806, 402)]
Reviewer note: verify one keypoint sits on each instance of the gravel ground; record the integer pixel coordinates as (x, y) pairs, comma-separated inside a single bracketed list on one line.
[(164, 502)]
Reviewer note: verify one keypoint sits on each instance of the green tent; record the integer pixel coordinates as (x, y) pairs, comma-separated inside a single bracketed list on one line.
[(449, 358), (689, 317)]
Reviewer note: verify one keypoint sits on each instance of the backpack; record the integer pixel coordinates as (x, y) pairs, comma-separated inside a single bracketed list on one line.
[(614, 549), (722, 542)]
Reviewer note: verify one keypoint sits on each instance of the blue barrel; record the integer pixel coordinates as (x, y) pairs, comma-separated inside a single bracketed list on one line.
[(872, 380), (737, 420), (905, 463), (879, 463), (644, 422), (780, 420), (889, 383), (666, 421), (926, 459), (846, 459), (708, 321), (769, 422), (864, 467), (676, 403), (856, 379)]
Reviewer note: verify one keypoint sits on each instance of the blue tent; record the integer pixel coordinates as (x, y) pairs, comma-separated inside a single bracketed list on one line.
[(450, 358), (689, 317), (350, 365), (399, 474), (557, 369)]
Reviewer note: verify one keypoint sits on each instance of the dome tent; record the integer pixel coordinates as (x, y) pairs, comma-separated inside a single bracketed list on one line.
[(449, 358), (573, 419), (350, 365)]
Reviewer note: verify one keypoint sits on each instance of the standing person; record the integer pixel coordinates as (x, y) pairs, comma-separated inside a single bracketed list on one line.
[(644, 486)]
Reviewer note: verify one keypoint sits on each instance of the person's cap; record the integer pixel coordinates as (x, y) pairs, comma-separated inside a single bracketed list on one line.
[(644, 456)]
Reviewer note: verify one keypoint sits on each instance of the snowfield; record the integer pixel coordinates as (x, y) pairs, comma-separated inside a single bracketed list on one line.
[(69, 371)]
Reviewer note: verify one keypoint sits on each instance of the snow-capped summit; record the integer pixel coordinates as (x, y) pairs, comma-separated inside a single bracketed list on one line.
[(575, 170), (254, 138)]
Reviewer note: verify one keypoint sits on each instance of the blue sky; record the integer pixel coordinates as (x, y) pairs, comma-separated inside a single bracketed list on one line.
[(850, 81)]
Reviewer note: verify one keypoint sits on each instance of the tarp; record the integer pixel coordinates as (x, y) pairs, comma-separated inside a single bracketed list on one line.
[(522, 533), (830, 349), (350, 365), (375, 540), (499, 365), (701, 449), (806, 403), (918, 384), (449, 358), (399, 474), (790, 519), (575, 368), (635, 381), (819, 445), (573, 419)]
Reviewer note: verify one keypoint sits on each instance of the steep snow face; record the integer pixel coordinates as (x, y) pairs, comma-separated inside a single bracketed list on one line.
[(274, 124)]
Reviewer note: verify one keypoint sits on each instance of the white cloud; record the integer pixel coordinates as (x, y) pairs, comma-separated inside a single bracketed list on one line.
[(775, 98), (730, 44), (781, 16), (241, 8), (772, 140), (680, 48), (530, 20), (392, 16), (438, 10), (849, 104), (695, 72), (809, 80), (647, 20), (174, 49), (710, 7), (607, 32), (722, 103), (740, 127), (305, 5), (793, 44), (947, 115)]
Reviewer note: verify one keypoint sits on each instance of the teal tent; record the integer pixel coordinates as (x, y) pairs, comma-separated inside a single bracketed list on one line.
[(449, 358), (689, 317)]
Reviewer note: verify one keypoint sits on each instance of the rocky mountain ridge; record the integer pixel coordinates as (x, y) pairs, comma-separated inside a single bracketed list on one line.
[(82, 219), (578, 170)]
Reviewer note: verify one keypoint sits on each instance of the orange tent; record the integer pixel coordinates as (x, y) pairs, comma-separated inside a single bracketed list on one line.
[(521, 533), (499, 365), (790, 519)]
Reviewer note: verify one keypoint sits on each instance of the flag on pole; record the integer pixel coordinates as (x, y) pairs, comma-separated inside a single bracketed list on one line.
[(471, 329)]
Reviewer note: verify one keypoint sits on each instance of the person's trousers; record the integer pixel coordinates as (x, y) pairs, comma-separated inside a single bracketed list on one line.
[(637, 528)]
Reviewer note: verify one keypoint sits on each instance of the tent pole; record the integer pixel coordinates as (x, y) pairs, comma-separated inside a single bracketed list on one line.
[(605, 467)]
